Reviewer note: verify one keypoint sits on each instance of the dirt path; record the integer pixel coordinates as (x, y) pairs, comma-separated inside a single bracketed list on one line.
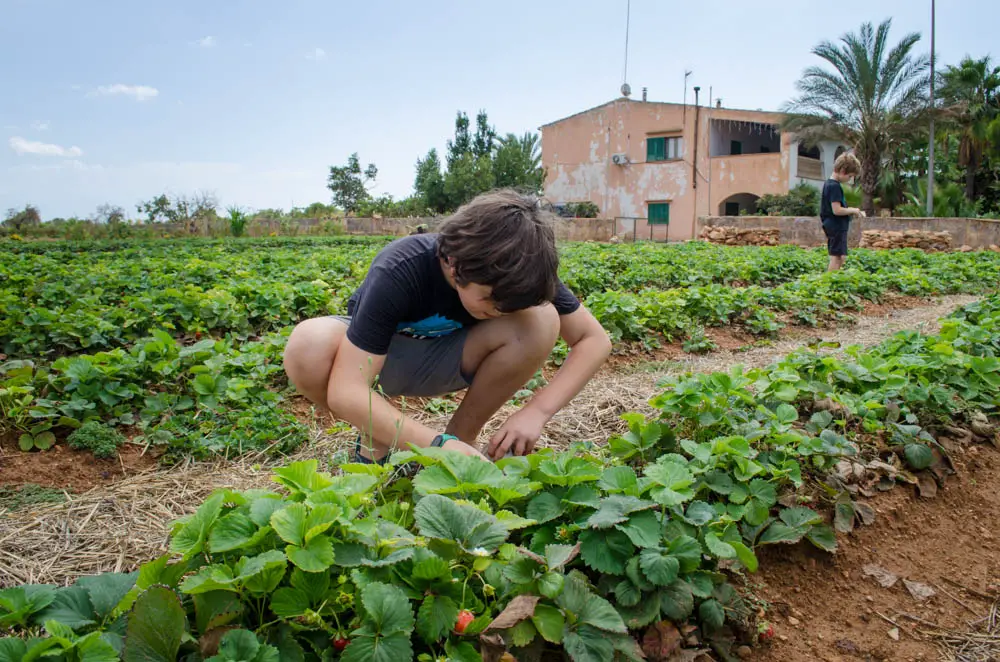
[(113, 527), (825, 608)]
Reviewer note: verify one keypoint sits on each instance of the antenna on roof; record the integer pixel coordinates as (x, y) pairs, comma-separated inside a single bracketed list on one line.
[(687, 73), (626, 90)]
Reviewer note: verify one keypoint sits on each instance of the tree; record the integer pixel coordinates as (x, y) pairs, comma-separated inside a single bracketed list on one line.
[(462, 144), (873, 95), (349, 184), (482, 144), (108, 214), (517, 163), (467, 178), (429, 182), (802, 200), (178, 209), (971, 94), (18, 220)]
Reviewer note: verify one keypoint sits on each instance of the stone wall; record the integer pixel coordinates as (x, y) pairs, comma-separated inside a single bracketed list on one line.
[(567, 229), (978, 233), (727, 235)]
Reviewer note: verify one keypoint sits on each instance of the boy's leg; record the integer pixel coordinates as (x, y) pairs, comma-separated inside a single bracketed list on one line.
[(502, 354), (309, 354)]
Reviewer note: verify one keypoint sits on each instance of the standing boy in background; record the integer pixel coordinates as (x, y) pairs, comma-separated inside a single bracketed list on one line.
[(834, 212)]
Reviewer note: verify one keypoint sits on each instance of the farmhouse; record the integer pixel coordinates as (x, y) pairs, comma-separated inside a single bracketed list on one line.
[(657, 164)]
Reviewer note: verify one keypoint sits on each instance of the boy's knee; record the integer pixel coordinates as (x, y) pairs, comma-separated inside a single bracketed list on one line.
[(311, 348), (538, 329)]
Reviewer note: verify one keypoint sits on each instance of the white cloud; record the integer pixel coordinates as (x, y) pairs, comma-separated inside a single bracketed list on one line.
[(138, 92), (318, 54), (207, 42), (39, 125), (22, 146)]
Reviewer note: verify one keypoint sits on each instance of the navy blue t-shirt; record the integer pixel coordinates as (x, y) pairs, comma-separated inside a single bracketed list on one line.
[(833, 192), (406, 292)]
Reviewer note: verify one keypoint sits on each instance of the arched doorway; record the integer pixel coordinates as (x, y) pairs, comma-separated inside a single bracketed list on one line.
[(738, 204)]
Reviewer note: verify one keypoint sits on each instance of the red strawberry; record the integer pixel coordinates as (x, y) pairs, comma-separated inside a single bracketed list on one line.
[(464, 618), (340, 643), (766, 631)]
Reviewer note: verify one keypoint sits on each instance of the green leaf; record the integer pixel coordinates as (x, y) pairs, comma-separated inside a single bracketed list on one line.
[(676, 601), (556, 556), (522, 634), (368, 648), (44, 440), (823, 537), (314, 584), (712, 614), (687, 551), (843, 517), (550, 584), (263, 508), (461, 651), (699, 513), (92, 648), (615, 509), (779, 532), (155, 627), (440, 517), (302, 477), (26, 442), (388, 608), (190, 539), (701, 583), (12, 650), (660, 569), (436, 617), (71, 607), (642, 614), (619, 479), (315, 556), (643, 529), (262, 573), (549, 622), (544, 508), (745, 555), (786, 414), (918, 456), (215, 609), (718, 548), (106, 590), (605, 551), (672, 482), (588, 644), (800, 517), (718, 481), (239, 645), (288, 602), (231, 532), (627, 594), (217, 577), (290, 523), (431, 569)]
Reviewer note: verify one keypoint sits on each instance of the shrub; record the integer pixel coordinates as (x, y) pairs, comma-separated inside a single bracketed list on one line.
[(803, 200), (96, 437)]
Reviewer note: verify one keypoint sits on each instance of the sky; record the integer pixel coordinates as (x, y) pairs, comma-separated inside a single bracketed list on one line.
[(116, 102)]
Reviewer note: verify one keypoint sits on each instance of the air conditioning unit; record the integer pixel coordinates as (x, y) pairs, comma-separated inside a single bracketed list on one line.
[(619, 159)]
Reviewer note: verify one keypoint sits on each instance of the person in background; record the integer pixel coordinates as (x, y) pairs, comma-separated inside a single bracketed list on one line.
[(834, 212)]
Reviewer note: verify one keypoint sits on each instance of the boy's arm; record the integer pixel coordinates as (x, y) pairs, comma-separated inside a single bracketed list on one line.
[(589, 348), (840, 210), (350, 396)]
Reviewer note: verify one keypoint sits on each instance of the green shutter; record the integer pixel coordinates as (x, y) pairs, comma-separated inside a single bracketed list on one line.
[(659, 213), (656, 149)]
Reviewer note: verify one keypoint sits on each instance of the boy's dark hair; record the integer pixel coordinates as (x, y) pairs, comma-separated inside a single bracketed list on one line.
[(505, 240)]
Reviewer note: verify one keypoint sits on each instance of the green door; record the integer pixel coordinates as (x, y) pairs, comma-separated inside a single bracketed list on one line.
[(659, 213)]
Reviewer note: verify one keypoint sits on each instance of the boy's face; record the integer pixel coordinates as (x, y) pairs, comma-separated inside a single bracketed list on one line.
[(478, 300), (842, 177)]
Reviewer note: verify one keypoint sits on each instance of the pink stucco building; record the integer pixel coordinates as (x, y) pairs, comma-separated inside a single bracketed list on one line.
[(665, 164)]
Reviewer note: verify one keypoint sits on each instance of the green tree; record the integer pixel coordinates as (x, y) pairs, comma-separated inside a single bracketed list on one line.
[(467, 178), (21, 219), (971, 94), (429, 182), (462, 143), (482, 143), (517, 163), (875, 93), (349, 184)]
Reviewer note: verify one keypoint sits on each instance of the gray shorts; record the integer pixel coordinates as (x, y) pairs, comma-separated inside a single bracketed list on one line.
[(422, 367)]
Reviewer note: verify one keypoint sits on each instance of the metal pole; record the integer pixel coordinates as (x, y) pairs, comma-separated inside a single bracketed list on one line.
[(930, 149)]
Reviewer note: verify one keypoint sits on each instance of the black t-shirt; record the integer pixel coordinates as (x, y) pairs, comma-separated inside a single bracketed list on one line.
[(406, 292), (833, 192)]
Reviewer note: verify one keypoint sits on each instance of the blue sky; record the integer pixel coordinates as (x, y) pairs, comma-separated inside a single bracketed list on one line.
[(114, 101)]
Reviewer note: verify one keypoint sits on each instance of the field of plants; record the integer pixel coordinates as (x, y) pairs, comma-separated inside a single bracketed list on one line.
[(592, 552)]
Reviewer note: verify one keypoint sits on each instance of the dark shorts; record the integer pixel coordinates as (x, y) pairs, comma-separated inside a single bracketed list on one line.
[(422, 367), (836, 238)]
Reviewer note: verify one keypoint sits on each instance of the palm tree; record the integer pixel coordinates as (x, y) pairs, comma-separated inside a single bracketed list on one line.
[(971, 94), (518, 162), (873, 96)]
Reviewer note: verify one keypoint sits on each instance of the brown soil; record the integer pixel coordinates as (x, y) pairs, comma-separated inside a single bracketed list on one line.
[(63, 468), (823, 607)]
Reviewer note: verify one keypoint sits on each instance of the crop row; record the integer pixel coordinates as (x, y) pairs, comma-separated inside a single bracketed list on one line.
[(72, 298), (571, 554)]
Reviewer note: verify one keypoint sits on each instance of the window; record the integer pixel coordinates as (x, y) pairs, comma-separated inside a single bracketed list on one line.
[(664, 149), (658, 213), (735, 147)]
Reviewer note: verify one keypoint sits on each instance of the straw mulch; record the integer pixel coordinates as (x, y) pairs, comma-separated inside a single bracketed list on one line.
[(979, 644)]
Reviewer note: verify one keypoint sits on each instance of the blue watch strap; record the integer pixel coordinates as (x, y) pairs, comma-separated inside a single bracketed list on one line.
[(442, 438)]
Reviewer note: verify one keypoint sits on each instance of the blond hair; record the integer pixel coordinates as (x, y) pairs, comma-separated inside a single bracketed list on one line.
[(847, 164)]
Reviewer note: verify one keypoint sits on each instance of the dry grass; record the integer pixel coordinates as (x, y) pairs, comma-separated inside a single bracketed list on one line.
[(116, 528), (978, 644)]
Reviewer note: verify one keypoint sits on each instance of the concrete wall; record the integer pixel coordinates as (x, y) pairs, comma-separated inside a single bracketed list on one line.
[(567, 229), (806, 230)]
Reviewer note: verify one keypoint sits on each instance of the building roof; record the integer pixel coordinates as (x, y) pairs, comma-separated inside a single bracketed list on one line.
[(659, 103)]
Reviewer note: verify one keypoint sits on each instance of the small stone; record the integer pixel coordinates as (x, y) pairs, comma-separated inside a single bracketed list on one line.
[(744, 652), (793, 621), (869, 598), (692, 642), (894, 634), (783, 637)]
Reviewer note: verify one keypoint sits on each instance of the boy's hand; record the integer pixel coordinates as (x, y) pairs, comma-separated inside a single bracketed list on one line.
[(518, 434), (462, 447)]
